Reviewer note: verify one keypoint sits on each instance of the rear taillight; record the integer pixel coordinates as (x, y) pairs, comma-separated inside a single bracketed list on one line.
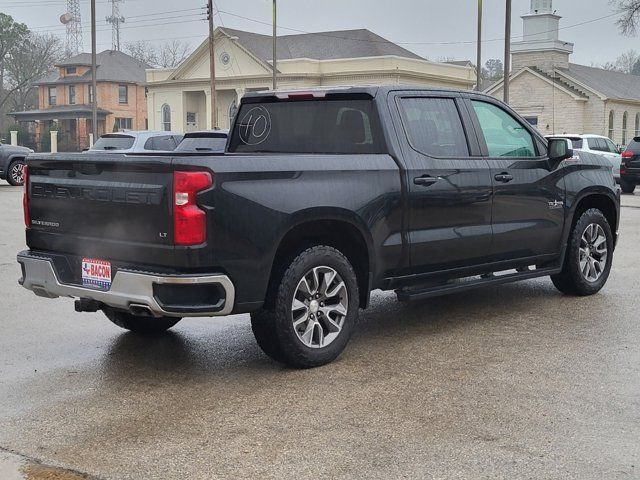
[(627, 154), (25, 197), (189, 220)]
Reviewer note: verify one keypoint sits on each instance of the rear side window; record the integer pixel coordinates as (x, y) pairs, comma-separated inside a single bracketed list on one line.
[(113, 142), (611, 147), (434, 127), (164, 142), (503, 134), (598, 144), (337, 126)]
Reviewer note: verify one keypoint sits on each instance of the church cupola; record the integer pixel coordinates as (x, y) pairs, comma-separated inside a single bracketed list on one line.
[(540, 45)]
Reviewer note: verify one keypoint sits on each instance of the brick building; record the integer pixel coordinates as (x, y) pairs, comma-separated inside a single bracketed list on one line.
[(563, 97), (65, 99)]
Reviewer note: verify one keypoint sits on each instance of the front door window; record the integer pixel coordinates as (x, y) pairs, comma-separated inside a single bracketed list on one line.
[(504, 135)]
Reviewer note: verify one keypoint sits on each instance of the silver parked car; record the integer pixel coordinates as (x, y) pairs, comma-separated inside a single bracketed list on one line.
[(598, 145), (137, 142)]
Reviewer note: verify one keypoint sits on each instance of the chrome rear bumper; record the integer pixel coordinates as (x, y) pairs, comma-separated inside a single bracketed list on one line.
[(131, 291)]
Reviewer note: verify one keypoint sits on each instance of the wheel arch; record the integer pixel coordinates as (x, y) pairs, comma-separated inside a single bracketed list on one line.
[(336, 228), (603, 201)]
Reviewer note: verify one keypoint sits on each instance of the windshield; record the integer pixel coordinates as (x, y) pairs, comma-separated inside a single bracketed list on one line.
[(313, 126), (113, 142), (203, 144)]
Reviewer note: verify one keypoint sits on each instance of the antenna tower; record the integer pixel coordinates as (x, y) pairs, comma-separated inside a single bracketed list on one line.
[(73, 22), (115, 19)]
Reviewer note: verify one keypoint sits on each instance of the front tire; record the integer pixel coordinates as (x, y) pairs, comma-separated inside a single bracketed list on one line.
[(627, 187), (139, 324), (589, 255), (315, 309), (15, 175)]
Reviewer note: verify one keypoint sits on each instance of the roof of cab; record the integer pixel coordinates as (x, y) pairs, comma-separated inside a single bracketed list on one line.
[(372, 90)]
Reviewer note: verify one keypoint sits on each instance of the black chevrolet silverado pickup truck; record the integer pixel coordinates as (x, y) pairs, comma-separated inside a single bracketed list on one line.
[(321, 197)]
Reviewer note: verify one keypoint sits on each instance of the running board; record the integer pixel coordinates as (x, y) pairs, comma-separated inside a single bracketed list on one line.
[(474, 282)]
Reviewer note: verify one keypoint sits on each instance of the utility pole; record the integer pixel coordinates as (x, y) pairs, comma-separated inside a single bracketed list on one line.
[(212, 63), (94, 90), (275, 54), (507, 51), (479, 48)]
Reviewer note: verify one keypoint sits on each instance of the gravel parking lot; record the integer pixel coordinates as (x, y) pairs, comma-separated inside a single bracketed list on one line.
[(516, 381)]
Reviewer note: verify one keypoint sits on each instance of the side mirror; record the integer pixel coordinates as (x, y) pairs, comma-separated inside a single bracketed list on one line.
[(558, 151)]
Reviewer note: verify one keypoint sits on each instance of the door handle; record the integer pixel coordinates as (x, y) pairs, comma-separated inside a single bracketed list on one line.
[(503, 177), (425, 180)]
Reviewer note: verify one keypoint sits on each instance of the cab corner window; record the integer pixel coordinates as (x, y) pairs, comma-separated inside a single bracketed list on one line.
[(433, 127), (503, 134)]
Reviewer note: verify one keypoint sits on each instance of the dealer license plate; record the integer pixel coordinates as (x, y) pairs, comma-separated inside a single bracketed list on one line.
[(96, 273)]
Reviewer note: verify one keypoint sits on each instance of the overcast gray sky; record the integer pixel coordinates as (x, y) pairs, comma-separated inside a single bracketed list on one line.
[(431, 28)]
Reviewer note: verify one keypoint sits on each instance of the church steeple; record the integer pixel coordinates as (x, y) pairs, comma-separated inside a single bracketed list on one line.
[(540, 46), (541, 6)]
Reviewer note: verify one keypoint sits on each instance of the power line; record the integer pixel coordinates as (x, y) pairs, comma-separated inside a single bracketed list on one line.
[(105, 23), (454, 42)]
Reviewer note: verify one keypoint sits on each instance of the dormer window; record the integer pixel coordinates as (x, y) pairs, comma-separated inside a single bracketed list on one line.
[(71, 70)]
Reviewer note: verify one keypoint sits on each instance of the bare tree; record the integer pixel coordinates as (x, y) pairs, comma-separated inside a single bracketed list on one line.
[(36, 56), (629, 15), (173, 53), (625, 62), (168, 55), (143, 51)]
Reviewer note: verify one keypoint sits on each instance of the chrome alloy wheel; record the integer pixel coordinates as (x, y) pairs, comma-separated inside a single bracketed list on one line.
[(17, 173), (319, 307), (593, 252)]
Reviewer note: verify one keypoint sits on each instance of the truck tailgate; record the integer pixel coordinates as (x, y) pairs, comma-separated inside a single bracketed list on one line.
[(106, 206)]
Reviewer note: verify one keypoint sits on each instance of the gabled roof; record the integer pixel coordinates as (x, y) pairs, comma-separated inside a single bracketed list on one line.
[(611, 84), (321, 46), (112, 66), (555, 82)]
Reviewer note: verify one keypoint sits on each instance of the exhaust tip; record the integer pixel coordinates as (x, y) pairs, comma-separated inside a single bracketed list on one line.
[(141, 310)]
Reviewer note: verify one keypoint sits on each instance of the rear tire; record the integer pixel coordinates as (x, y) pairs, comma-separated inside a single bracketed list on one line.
[(14, 173), (589, 255), (627, 187), (139, 324), (315, 309)]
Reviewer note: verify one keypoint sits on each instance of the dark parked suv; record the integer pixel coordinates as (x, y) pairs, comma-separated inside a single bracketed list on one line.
[(322, 197), (630, 166), (12, 161)]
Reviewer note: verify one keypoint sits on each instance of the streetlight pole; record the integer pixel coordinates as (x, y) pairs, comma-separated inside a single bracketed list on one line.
[(212, 66), (275, 55), (507, 51), (94, 103), (479, 48)]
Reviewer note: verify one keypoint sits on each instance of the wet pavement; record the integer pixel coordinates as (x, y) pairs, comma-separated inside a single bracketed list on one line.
[(516, 381)]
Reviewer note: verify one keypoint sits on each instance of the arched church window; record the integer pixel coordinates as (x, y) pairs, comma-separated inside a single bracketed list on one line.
[(166, 117)]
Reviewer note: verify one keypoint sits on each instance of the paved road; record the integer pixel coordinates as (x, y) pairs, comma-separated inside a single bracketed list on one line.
[(511, 382)]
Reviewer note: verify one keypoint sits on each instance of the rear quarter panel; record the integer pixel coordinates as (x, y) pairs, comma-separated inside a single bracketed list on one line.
[(257, 199)]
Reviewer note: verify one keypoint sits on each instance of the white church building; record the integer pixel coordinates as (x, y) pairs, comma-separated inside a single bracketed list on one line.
[(558, 96)]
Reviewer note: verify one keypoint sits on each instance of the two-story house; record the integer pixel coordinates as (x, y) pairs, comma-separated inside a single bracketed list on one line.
[(65, 97)]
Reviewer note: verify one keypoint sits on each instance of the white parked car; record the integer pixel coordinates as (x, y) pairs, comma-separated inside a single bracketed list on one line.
[(137, 142), (598, 145)]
